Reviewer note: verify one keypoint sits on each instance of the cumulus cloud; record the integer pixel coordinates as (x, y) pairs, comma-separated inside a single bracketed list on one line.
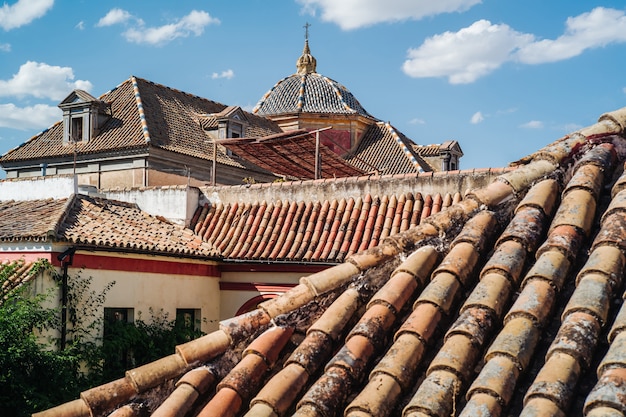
[(533, 124), (41, 80), (353, 14), (477, 118), (594, 29), (466, 55), (23, 12), (476, 51), (228, 74), (38, 116), (116, 16), (137, 32)]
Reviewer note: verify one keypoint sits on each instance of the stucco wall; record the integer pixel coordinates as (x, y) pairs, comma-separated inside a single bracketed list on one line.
[(142, 291), (175, 203), (36, 188)]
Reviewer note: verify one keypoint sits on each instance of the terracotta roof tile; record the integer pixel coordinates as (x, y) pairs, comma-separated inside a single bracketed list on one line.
[(326, 231), (16, 274), (438, 343), (384, 150), (89, 222), (146, 114)]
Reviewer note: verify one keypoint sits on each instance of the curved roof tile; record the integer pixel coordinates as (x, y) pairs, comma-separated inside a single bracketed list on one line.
[(321, 231), (510, 305)]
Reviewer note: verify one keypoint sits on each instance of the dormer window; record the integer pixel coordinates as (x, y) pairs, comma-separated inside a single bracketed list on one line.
[(231, 123), (83, 116)]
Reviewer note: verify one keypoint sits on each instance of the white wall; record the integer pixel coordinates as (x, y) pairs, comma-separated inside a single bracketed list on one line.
[(36, 189), (175, 203)]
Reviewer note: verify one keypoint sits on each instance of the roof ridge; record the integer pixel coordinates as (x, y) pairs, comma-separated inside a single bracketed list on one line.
[(142, 115), (408, 152), (53, 230)]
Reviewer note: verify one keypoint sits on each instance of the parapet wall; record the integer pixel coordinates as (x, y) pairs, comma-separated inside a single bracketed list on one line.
[(328, 189)]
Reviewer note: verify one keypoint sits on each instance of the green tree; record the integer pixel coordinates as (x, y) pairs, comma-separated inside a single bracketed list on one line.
[(35, 375), (32, 376)]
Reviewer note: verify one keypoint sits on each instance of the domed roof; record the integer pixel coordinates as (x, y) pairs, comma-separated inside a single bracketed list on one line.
[(308, 92)]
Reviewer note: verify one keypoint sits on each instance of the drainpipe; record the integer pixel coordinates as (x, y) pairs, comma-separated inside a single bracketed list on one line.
[(66, 258)]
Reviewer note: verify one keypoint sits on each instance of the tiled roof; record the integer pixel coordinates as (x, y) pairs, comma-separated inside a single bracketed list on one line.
[(386, 150), (96, 222), (427, 150), (38, 219), (311, 231), (308, 93), (144, 114), (15, 274), (292, 154), (505, 303)]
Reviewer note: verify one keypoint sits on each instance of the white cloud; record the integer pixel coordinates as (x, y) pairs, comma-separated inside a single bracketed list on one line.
[(417, 121), (353, 14), (228, 74), (41, 80), (114, 17), (191, 24), (5, 47), (80, 25), (38, 116), (475, 51), (23, 12), (466, 55), (477, 118), (594, 29), (533, 124)]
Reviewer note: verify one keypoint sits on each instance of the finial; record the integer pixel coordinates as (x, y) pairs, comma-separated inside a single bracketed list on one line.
[(306, 64)]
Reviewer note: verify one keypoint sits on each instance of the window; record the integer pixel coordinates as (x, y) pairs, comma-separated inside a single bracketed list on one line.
[(76, 132), (117, 322), (115, 315), (188, 323)]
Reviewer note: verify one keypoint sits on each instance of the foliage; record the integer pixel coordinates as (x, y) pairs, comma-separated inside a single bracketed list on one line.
[(35, 376), (127, 345), (32, 376)]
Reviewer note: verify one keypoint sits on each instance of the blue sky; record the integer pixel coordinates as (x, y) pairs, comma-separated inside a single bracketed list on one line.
[(504, 78)]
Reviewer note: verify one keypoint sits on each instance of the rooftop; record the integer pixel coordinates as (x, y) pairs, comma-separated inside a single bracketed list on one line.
[(96, 223), (507, 302)]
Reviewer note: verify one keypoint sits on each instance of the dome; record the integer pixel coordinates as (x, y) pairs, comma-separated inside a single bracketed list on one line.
[(308, 92)]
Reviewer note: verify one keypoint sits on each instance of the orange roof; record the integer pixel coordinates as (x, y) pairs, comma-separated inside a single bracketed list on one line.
[(506, 303)]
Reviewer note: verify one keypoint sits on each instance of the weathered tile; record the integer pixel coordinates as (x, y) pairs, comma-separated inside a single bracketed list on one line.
[(577, 209), (577, 337), (592, 295), (435, 396), (556, 380), (610, 391), (517, 340), (535, 301), (497, 378), (491, 292)]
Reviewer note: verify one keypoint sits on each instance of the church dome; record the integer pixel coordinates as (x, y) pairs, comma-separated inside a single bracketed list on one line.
[(306, 91)]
